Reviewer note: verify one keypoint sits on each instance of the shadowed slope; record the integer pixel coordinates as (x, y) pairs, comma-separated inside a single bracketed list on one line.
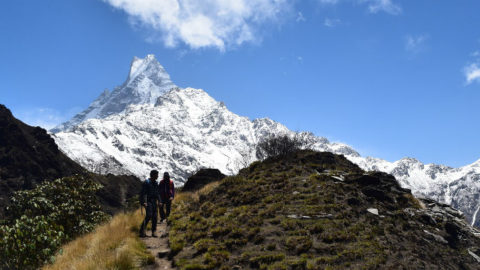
[(29, 156)]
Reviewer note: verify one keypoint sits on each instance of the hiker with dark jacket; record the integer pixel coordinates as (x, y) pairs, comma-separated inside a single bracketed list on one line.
[(167, 193), (150, 190)]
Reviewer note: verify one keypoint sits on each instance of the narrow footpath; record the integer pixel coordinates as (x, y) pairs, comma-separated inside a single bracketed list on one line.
[(159, 248)]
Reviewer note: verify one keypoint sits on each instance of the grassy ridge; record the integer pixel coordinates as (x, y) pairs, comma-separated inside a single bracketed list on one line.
[(310, 211), (114, 245), (253, 221)]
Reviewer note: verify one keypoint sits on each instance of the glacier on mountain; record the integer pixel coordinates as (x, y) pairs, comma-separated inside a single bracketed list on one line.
[(149, 123)]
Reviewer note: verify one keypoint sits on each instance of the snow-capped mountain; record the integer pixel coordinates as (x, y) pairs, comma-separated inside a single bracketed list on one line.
[(458, 187), (184, 130), (149, 123), (147, 80)]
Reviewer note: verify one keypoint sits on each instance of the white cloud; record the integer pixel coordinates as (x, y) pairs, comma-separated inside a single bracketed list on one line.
[(328, 22), (472, 70), (209, 23), (387, 6), (472, 73), (415, 44)]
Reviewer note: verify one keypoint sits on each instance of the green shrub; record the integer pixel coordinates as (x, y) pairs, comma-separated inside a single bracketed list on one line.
[(68, 202), (29, 242), (279, 145), (42, 219)]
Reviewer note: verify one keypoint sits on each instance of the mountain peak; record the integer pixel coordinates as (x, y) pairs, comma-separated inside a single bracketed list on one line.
[(147, 80), (140, 65)]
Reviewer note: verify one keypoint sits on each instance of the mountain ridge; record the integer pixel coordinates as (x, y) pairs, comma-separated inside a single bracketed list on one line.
[(316, 210), (185, 130)]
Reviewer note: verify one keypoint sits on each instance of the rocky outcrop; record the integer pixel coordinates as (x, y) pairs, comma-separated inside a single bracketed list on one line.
[(202, 178)]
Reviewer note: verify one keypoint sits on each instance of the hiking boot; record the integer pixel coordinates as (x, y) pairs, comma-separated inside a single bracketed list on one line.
[(154, 235), (142, 235)]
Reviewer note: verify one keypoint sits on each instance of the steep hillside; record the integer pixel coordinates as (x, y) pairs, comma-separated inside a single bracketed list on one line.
[(317, 210), (29, 156)]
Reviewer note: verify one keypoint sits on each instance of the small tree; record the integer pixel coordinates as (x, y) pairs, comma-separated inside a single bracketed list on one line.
[(279, 145), (244, 160)]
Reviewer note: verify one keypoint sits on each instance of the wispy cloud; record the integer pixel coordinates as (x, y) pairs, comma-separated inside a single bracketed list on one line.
[(328, 22), (472, 73), (300, 17), (214, 23), (374, 6), (46, 118), (388, 6), (329, 2), (416, 44)]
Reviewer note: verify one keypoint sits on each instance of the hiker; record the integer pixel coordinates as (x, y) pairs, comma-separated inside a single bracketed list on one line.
[(167, 193), (150, 189)]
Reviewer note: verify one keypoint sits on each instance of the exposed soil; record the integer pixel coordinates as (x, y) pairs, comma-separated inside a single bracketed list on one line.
[(159, 248)]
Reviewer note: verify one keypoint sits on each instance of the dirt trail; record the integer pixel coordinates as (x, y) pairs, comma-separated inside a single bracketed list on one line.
[(159, 248)]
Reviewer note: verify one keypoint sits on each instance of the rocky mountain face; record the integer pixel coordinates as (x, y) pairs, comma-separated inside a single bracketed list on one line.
[(458, 187), (317, 210), (145, 124), (29, 156), (183, 131)]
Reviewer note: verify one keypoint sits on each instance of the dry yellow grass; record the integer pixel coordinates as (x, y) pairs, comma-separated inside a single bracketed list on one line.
[(114, 245), (208, 188), (183, 197)]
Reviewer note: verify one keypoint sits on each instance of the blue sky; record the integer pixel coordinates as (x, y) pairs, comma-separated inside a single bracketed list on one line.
[(391, 78)]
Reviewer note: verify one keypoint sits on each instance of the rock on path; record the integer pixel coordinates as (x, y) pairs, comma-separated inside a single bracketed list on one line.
[(159, 248)]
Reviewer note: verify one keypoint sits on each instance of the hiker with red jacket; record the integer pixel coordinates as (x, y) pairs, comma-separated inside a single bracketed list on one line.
[(167, 193)]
